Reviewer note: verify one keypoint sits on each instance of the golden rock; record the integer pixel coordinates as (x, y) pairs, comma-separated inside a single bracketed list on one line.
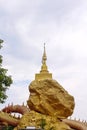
[(50, 98), (48, 102)]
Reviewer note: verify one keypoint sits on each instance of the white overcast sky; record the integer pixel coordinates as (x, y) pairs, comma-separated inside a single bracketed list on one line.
[(62, 24)]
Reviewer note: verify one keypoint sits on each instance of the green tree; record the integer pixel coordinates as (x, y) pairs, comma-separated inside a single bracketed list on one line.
[(8, 127), (5, 80), (43, 123)]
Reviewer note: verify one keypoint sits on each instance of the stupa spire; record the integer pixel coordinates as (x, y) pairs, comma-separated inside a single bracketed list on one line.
[(44, 58), (44, 73)]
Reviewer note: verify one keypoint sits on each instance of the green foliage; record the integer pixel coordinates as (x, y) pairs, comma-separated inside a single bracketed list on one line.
[(43, 123), (8, 127), (1, 41), (5, 80), (52, 128)]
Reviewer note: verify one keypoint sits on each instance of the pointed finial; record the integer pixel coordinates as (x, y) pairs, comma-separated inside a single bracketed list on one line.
[(44, 45), (44, 58)]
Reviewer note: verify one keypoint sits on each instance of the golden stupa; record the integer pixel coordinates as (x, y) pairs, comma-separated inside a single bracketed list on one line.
[(44, 73)]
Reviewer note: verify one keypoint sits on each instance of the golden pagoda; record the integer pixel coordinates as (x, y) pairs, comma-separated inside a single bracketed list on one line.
[(44, 73)]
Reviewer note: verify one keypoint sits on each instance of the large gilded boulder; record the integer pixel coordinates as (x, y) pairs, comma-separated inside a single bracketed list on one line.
[(50, 98)]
